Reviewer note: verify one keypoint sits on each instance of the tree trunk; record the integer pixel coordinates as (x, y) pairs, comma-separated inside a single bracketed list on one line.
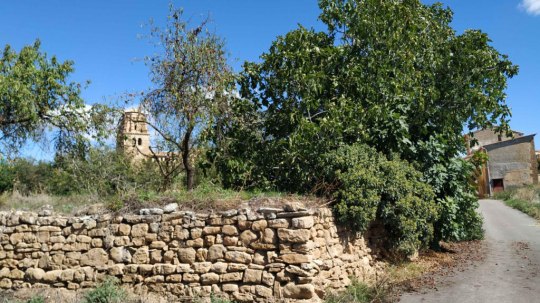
[(186, 149)]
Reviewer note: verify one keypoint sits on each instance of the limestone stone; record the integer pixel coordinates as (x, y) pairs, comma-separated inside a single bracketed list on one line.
[(230, 241), (168, 256), (116, 270), (243, 297), (94, 257), (174, 278), (238, 257), (294, 235), (52, 276), (124, 229), (197, 243), (141, 255), (303, 222), (237, 267), (252, 276), (171, 207), (67, 275), (229, 287), (5, 283), (164, 269), (139, 230), (156, 256), (216, 252), (267, 278), (296, 258), (219, 267), (209, 278), (247, 237), (196, 233), (259, 225), (229, 230), (186, 255), (34, 274), (212, 230), (151, 211), (231, 277), (158, 245), (120, 255), (294, 207), (188, 277), (263, 291), (201, 267), (183, 268), (300, 291), (269, 236)]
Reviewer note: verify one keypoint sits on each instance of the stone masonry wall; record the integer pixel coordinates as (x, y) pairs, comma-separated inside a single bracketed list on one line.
[(267, 255)]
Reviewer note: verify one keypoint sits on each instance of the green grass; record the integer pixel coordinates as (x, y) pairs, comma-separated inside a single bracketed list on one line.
[(108, 291), (530, 208), (525, 199)]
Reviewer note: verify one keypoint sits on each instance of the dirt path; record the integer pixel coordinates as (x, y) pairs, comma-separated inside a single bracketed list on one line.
[(510, 271)]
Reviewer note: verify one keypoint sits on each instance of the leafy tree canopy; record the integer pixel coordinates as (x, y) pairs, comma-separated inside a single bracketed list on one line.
[(393, 74), (191, 76), (36, 95)]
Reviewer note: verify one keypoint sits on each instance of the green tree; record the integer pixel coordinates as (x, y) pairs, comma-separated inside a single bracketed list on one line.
[(35, 95), (192, 79), (391, 74)]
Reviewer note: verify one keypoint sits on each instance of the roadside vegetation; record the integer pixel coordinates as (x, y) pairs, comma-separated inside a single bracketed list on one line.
[(367, 114), (525, 199)]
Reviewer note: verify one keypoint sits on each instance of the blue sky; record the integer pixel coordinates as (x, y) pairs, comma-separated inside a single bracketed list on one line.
[(102, 37)]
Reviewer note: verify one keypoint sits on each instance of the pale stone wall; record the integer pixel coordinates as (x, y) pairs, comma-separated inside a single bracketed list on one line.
[(514, 163), (268, 255)]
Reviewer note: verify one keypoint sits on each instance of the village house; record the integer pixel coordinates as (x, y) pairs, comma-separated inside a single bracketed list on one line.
[(511, 160)]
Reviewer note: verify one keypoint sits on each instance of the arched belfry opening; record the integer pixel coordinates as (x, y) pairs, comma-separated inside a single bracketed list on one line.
[(133, 138)]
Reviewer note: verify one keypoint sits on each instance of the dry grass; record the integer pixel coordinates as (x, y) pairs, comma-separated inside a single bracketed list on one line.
[(206, 198), (525, 199), (62, 204)]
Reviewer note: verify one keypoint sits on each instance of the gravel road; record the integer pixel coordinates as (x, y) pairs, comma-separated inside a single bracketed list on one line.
[(510, 271)]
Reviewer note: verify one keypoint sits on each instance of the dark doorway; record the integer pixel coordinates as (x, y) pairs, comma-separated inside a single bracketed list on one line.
[(498, 185)]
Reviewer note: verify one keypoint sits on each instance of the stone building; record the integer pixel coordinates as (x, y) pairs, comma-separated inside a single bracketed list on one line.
[(511, 160), (133, 138)]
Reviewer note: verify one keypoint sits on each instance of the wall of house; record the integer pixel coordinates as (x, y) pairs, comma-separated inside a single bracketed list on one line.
[(288, 252), (488, 136), (514, 163)]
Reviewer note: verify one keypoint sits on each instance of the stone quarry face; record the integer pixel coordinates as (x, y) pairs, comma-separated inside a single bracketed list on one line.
[(246, 255)]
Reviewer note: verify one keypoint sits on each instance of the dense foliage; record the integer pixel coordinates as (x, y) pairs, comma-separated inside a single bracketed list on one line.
[(35, 96), (372, 189), (393, 75), (103, 172)]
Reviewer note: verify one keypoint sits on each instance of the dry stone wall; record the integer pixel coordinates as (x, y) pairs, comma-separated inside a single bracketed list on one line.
[(268, 255)]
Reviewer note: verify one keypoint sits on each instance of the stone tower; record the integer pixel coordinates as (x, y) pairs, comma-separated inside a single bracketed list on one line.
[(133, 138)]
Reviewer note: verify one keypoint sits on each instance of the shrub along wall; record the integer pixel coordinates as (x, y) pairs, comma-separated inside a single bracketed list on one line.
[(265, 255)]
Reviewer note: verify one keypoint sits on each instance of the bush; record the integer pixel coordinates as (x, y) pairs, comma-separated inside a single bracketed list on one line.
[(457, 201), (6, 176), (372, 189), (36, 299), (108, 291), (359, 292)]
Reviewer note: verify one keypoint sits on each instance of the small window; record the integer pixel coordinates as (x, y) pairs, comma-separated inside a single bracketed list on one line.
[(134, 142), (135, 125), (140, 141), (499, 137)]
